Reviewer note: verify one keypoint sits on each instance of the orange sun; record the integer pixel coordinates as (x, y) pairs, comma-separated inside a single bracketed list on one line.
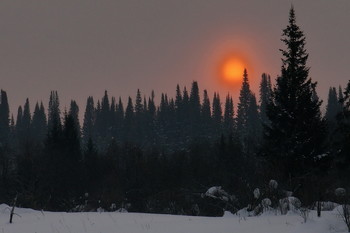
[(231, 70)]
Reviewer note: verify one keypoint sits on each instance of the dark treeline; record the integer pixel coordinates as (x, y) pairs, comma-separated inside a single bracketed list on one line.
[(163, 158)]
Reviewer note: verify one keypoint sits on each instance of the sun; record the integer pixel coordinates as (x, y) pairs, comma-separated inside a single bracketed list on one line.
[(232, 69)]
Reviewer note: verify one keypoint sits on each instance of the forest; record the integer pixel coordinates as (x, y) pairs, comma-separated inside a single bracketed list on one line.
[(166, 158)]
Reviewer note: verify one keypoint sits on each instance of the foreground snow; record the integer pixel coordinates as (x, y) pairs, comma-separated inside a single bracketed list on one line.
[(32, 221)]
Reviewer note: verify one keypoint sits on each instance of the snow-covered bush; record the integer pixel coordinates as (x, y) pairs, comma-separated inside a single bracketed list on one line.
[(216, 200), (304, 213), (217, 192), (289, 204), (121, 210), (256, 193), (266, 204), (113, 207), (273, 185), (327, 206)]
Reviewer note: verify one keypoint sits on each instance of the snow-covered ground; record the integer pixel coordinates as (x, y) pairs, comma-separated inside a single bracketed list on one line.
[(32, 221)]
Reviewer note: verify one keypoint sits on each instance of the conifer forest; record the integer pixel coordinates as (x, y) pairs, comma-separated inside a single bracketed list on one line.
[(157, 153)]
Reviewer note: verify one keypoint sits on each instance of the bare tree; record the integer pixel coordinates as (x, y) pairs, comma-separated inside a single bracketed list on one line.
[(13, 209), (345, 215)]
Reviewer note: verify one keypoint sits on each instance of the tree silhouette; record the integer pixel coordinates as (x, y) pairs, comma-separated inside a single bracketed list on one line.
[(296, 134)]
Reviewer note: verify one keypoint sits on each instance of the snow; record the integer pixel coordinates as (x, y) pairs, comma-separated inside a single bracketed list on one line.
[(217, 192), (31, 221)]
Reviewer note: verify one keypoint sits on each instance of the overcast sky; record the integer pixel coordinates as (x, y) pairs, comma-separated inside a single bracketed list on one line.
[(82, 47)]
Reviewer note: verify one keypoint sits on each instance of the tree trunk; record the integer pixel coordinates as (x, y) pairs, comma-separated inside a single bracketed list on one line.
[(13, 209), (318, 209)]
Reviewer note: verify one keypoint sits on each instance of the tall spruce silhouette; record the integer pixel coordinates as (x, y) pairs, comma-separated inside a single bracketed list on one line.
[(217, 116), (228, 116), (39, 124), (89, 120), (295, 137), (333, 107), (243, 108), (54, 115), (265, 96), (4, 118)]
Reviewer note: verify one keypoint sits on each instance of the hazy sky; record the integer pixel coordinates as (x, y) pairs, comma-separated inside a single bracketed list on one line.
[(82, 47)]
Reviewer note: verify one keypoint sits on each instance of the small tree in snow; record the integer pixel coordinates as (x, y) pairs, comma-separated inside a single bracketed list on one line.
[(344, 213)]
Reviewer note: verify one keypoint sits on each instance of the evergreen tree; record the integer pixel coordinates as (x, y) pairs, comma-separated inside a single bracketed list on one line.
[(341, 145), (152, 106), (340, 98), (120, 120), (19, 126), (178, 99), (243, 107), (150, 121), (26, 120), (333, 106), (89, 120), (194, 110), (139, 118), (206, 122), (185, 105), (103, 123), (104, 118), (129, 120), (265, 96), (138, 104), (297, 132), (12, 129), (39, 126), (113, 113), (4, 118), (254, 127), (195, 101), (217, 115), (229, 116), (54, 115), (74, 113)]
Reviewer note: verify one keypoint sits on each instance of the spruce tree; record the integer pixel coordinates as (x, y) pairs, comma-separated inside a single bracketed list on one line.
[(229, 116), (113, 112), (342, 140), (340, 98), (54, 115), (254, 126), (205, 109), (39, 126), (217, 115), (19, 127), (243, 107), (295, 137), (120, 120), (138, 104), (4, 118), (74, 113), (178, 99), (129, 120), (104, 119), (27, 118), (333, 107), (139, 118), (194, 110), (265, 96), (89, 120)]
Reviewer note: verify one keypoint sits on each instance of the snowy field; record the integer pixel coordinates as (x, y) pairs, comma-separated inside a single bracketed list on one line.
[(32, 221)]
